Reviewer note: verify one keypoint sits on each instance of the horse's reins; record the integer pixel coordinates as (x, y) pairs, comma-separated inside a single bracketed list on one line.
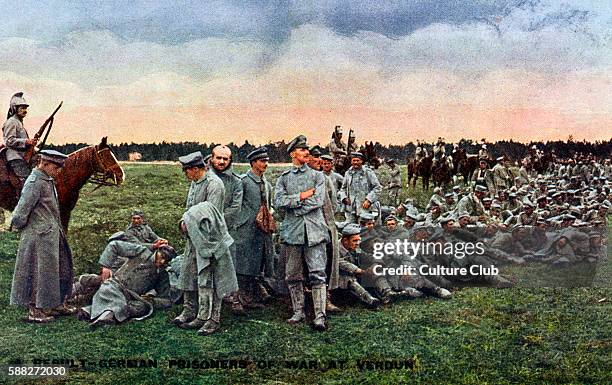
[(101, 178)]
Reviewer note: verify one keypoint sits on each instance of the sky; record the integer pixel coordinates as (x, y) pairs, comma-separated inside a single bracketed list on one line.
[(230, 71)]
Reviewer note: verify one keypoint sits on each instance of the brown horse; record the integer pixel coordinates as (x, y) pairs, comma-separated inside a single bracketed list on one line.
[(442, 174), (369, 151), (93, 163)]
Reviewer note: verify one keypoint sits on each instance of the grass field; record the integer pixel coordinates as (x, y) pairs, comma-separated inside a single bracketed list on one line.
[(549, 335)]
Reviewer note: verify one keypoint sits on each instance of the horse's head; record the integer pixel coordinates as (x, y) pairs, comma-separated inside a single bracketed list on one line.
[(107, 171)]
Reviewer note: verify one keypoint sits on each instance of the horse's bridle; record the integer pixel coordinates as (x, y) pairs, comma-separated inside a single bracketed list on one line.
[(106, 177)]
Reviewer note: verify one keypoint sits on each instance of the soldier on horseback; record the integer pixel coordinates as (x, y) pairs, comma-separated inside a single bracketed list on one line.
[(16, 138), (420, 152), (336, 147), (439, 152)]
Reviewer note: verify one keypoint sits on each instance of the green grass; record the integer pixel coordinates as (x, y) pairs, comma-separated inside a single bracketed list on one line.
[(480, 336)]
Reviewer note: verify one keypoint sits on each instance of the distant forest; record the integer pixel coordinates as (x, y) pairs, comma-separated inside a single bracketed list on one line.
[(278, 153)]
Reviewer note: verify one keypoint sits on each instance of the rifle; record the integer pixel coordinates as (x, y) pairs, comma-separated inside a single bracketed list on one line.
[(29, 153)]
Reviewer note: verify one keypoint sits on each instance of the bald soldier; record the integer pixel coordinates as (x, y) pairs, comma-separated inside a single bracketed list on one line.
[(300, 191), (221, 162), (205, 187)]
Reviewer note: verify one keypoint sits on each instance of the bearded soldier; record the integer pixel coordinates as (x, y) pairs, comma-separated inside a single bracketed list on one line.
[(43, 275), (16, 137), (221, 161), (254, 253), (300, 191), (205, 187)]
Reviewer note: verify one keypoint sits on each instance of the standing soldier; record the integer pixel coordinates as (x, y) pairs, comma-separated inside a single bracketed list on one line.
[(337, 147), (42, 280), (501, 177), (327, 166), (254, 253), (360, 189), (16, 137), (205, 187), (483, 175), (221, 161), (300, 191), (395, 183)]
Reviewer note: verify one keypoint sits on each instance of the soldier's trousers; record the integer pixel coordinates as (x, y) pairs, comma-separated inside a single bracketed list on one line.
[(313, 257), (394, 195)]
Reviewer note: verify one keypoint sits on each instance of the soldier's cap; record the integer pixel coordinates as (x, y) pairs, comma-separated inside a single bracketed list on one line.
[(258, 153), (195, 159), (449, 195), (315, 151), (390, 161), (446, 219), (340, 225), (595, 234), (357, 154), (338, 129), (118, 236), (495, 205), (516, 227), (351, 229), (53, 156), (463, 214), (541, 220), (137, 213), (167, 251), (557, 194), (482, 159), (512, 195), (299, 141), (366, 216), (500, 158), (391, 217), (487, 199), (528, 203), (455, 188), (481, 188), (412, 215), (327, 157)]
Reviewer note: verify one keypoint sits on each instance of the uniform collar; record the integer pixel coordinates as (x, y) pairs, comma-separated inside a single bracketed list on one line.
[(302, 168), (205, 177), (253, 176), (42, 175)]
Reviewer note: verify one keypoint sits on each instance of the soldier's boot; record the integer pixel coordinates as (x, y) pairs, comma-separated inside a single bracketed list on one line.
[(252, 299), (189, 308), (296, 291), (441, 292), (205, 299), (410, 293), (212, 324), (236, 305), (319, 299), (498, 281), (364, 295), (388, 295), (330, 307), (264, 295)]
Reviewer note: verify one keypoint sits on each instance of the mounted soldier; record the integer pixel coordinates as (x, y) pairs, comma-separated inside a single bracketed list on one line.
[(336, 147), (16, 138)]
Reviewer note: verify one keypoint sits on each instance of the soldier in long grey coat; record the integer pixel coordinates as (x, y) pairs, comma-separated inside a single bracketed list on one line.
[(300, 191), (209, 244), (254, 254), (43, 275), (136, 288), (205, 187), (221, 162), (16, 137), (360, 189), (394, 185)]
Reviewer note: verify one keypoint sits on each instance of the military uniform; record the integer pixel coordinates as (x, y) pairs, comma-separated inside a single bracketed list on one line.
[(43, 273), (394, 185), (359, 185), (303, 234), (15, 138), (142, 234)]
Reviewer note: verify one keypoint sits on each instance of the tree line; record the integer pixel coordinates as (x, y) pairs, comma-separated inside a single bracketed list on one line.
[(170, 151)]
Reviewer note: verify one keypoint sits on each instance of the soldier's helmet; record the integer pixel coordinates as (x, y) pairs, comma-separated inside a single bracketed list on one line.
[(18, 100)]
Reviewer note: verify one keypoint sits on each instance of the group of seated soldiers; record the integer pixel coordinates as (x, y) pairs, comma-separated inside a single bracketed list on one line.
[(552, 218)]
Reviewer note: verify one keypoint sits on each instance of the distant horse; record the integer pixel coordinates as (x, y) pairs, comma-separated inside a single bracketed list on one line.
[(94, 163), (541, 164), (442, 173), (424, 171), (411, 168), (464, 164)]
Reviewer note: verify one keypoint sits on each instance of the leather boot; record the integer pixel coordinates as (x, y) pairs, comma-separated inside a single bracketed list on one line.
[(106, 318), (205, 299), (296, 290), (319, 298), (364, 295), (189, 308), (330, 308), (236, 305), (213, 324)]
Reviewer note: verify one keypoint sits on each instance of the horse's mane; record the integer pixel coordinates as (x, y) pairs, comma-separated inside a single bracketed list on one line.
[(78, 156)]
